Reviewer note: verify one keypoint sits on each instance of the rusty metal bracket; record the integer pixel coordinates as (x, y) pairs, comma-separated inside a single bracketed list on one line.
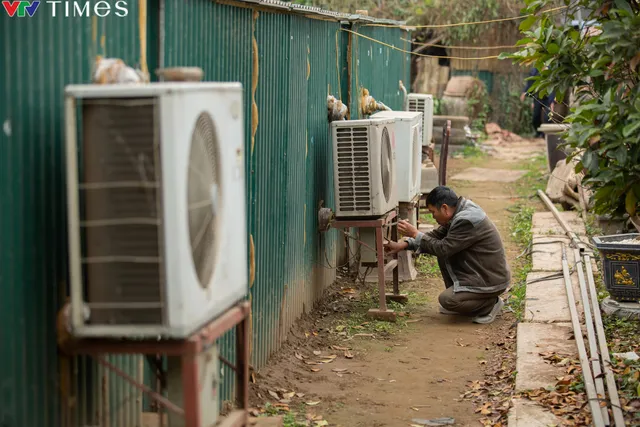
[(381, 223), (237, 317)]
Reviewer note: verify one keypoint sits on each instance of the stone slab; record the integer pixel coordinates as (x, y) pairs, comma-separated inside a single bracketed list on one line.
[(546, 301), (535, 338), (525, 413), (544, 223), (546, 253), (483, 175)]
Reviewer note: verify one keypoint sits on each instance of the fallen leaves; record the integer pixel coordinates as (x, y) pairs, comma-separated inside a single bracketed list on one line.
[(566, 399), (492, 396)]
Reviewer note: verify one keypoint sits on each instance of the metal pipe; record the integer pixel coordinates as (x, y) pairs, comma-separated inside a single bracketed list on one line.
[(582, 352), (616, 408), (593, 343), (574, 238)]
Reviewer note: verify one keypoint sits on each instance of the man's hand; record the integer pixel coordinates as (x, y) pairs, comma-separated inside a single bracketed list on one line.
[(407, 229), (393, 248), (522, 97)]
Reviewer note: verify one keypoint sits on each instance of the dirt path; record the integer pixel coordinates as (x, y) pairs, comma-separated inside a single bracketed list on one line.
[(418, 368)]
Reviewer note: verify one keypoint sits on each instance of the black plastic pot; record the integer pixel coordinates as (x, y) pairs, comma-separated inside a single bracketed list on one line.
[(621, 264)]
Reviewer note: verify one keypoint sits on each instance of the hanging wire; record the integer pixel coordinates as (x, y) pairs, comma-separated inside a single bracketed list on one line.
[(462, 24)]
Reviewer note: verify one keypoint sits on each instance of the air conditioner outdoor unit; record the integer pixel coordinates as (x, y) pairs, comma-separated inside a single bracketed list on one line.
[(155, 180), (423, 103), (364, 163), (408, 131)]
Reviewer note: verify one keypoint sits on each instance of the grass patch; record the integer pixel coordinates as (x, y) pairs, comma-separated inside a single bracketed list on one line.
[(521, 233), (357, 322), (290, 419), (428, 266), (472, 152), (535, 179), (427, 218), (526, 187)]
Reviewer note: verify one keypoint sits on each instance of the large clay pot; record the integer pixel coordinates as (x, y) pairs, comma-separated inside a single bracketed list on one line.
[(459, 91)]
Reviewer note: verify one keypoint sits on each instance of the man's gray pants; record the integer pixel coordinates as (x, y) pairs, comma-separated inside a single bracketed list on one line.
[(465, 303)]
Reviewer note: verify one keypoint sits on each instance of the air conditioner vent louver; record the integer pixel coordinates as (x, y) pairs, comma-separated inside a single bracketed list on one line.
[(122, 218), (418, 105), (353, 169)]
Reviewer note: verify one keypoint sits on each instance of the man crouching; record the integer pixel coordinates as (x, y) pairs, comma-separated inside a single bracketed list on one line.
[(470, 254)]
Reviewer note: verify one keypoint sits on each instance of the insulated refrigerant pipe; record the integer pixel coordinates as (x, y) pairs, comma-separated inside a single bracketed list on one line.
[(616, 408), (598, 421), (591, 334)]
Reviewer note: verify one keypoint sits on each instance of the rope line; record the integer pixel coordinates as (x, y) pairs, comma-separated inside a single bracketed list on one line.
[(459, 47), (415, 53), (461, 24)]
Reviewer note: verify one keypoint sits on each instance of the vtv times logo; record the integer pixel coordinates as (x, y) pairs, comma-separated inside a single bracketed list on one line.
[(66, 8)]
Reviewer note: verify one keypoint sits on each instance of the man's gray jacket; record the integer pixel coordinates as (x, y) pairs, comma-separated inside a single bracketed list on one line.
[(470, 248)]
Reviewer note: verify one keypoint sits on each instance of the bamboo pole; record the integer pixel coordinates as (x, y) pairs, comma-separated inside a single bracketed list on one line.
[(574, 238), (612, 390), (582, 352), (591, 334), (616, 408)]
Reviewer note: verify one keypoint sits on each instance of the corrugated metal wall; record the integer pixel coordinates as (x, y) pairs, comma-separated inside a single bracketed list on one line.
[(378, 67), (40, 55), (297, 63)]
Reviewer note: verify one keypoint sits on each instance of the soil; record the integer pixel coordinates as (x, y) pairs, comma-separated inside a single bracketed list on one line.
[(419, 368)]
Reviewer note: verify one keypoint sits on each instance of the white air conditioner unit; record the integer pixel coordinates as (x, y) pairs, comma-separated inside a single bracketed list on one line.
[(364, 163), (423, 103), (408, 131), (156, 206)]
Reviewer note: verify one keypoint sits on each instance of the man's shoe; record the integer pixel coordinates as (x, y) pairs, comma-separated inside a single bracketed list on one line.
[(443, 310), (489, 318)]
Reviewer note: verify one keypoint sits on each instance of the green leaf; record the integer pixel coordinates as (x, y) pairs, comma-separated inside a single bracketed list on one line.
[(525, 40), (630, 128), (528, 23), (638, 389), (605, 60), (630, 203), (553, 48), (621, 155), (575, 35)]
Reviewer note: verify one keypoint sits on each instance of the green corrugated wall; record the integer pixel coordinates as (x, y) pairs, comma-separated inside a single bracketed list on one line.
[(288, 163), (40, 55), (378, 67)]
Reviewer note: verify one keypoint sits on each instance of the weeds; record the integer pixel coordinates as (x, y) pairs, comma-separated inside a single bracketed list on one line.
[(428, 266), (521, 220), (535, 179), (473, 152), (521, 234), (289, 418)]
